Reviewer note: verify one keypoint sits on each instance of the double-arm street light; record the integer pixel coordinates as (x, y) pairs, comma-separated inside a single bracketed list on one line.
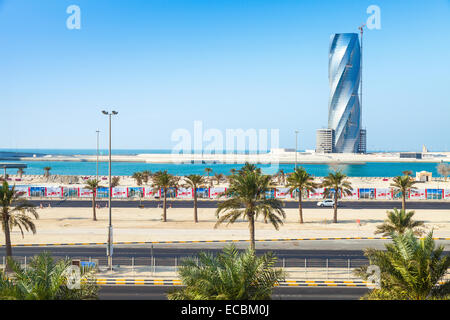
[(109, 249)]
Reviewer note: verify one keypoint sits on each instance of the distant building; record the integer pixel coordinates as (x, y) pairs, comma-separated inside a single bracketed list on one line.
[(344, 110), (424, 176), (362, 141), (411, 155), (325, 141)]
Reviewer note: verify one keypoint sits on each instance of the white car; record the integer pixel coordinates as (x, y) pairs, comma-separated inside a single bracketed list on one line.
[(326, 203)]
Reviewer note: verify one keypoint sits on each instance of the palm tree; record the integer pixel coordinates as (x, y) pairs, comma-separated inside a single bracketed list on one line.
[(20, 172), (218, 177), (249, 167), (230, 275), (115, 181), (411, 269), (403, 184), (399, 221), (233, 171), (304, 182), (138, 177), (336, 181), (47, 172), (281, 177), (45, 279), (246, 197), (444, 170), (146, 176), (15, 212), (208, 171), (195, 181), (163, 180), (407, 172), (93, 185)]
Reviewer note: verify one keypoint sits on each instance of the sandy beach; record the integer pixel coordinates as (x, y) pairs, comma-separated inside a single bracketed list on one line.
[(67, 225)]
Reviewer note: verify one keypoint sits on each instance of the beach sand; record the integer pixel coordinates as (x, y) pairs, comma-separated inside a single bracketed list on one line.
[(69, 225)]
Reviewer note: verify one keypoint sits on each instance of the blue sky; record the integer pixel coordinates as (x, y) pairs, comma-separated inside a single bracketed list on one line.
[(231, 64)]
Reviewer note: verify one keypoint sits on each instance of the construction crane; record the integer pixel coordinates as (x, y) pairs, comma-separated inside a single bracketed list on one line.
[(361, 30)]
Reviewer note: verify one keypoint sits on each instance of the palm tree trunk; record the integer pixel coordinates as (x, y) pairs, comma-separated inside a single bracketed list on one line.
[(93, 206), (251, 225), (335, 206), (7, 240), (300, 210), (403, 200), (164, 206), (195, 206)]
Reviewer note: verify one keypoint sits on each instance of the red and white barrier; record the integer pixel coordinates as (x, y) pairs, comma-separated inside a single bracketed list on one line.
[(119, 192), (447, 194), (151, 192), (215, 193), (383, 194), (353, 196), (282, 193), (185, 193), (84, 193), (54, 192), (418, 194), (316, 194)]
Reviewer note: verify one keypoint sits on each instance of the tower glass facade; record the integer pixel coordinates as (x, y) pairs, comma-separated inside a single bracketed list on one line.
[(344, 110)]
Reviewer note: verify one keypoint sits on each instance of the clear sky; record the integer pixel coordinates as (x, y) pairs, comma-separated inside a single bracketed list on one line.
[(259, 64)]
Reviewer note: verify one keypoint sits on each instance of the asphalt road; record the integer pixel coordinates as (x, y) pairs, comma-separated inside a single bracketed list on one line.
[(165, 256), (284, 293), (293, 253), (362, 204)]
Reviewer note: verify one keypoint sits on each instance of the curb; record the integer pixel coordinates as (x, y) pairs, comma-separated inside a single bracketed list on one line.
[(287, 283), (195, 241)]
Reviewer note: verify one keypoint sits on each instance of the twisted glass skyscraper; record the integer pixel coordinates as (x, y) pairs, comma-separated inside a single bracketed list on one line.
[(344, 110)]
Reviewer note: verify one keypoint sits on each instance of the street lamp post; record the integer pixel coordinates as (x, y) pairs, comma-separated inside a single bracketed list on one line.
[(296, 134), (109, 250), (98, 131)]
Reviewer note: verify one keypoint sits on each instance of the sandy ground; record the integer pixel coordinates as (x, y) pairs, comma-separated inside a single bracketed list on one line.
[(67, 225)]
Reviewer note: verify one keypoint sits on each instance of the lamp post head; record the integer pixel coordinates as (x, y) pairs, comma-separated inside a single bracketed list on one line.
[(105, 112), (115, 112)]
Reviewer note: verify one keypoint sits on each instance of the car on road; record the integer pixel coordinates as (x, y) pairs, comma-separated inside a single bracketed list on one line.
[(326, 203)]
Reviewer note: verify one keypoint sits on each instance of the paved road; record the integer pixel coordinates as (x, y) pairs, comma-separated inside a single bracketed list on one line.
[(285, 293), (294, 252), (374, 204), (166, 256)]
